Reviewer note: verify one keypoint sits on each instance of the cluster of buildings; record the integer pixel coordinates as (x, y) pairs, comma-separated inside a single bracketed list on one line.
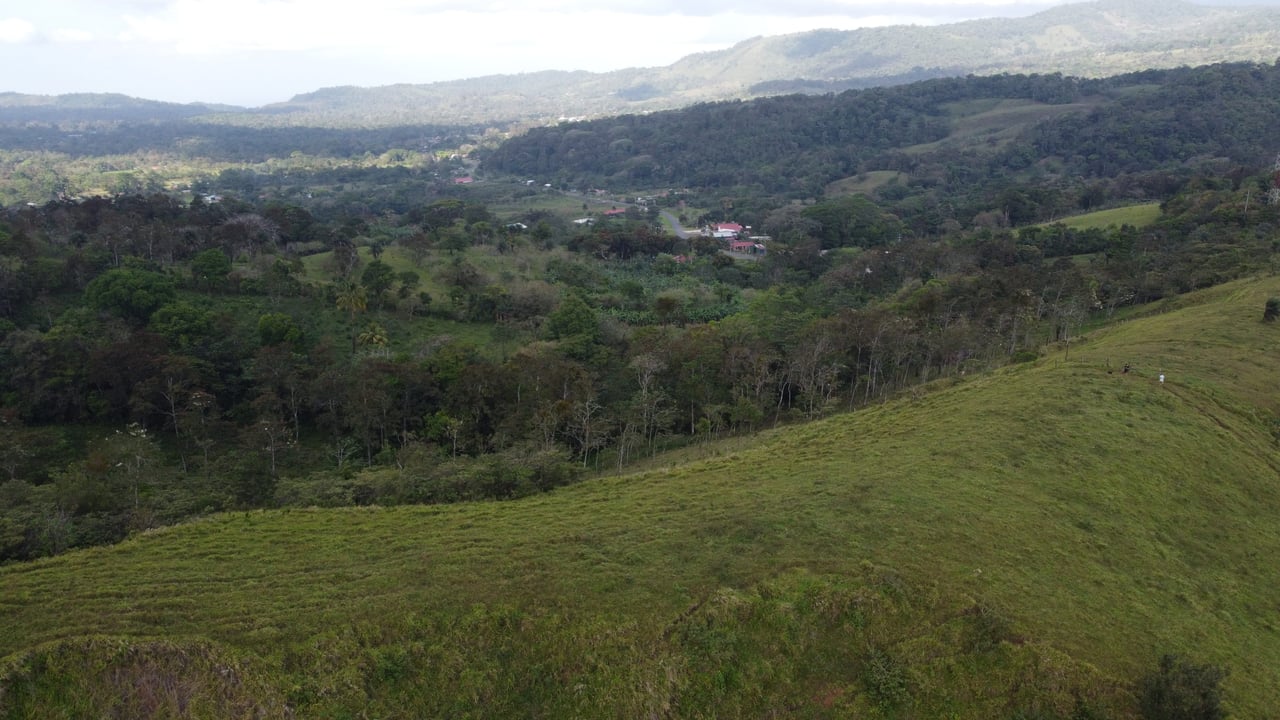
[(737, 238)]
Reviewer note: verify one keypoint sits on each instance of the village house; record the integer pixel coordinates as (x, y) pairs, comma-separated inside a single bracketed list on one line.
[(724, 231), (749, 246)]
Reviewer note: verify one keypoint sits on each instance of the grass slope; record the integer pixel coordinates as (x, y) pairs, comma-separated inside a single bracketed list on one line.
[(865, 183), (1135, 215), (995, 121), (1027, 541)]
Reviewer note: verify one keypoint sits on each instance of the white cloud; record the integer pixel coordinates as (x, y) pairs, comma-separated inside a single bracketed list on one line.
[(16, 30), (70, 35), (418, 26), (455, 42)]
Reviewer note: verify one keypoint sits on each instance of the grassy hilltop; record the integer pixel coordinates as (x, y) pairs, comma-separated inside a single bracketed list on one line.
[(1020, 544)]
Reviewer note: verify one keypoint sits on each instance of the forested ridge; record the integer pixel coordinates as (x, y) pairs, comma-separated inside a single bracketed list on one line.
[(224, 142), (1131, 126), (787, 145)]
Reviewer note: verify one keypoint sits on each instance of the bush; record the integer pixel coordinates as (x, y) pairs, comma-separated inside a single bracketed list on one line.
[(886, 680), (1272, 310), (1180, 690), (986, 628)]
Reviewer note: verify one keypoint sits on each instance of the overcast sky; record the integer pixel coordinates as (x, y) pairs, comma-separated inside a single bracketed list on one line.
[(255, 52)]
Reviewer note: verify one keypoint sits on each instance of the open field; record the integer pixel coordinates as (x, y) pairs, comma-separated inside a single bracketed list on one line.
[(865, 183), (1026, 541), (995, 121), (1135, 215)]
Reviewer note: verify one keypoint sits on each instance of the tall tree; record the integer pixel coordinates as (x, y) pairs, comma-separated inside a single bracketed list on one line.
[(209, 269), (130, 293), (377, 279), (352, 298)]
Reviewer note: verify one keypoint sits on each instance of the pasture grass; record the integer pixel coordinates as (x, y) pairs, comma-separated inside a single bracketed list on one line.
[(440, 321), (1135, 215), (865, 183), (995, 121), (1024, 541)]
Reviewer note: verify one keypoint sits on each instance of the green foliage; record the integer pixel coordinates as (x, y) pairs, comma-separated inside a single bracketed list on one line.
[(116, 677), (409, 282), (986, 629), (377, 278), (183, 324), (760, 575), (1140, 215), (210, 267), (832, 133), (743, 344), (852, 221), (886, 680), (374, 335), (572, 319), (131, 293), (1182, 690), (276, 328), (437, 475), (599, 345), (1272, 310)]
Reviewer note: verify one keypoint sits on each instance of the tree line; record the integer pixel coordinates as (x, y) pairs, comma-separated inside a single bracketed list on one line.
[(165, 358)]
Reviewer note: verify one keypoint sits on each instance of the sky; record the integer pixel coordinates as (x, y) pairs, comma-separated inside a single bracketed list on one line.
[(256, 52)]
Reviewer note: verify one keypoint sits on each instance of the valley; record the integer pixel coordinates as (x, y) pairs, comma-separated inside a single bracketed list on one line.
[(807, 378)]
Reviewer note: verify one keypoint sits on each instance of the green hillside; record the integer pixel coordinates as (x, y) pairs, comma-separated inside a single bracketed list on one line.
[(1020, 544), (1135, 215)]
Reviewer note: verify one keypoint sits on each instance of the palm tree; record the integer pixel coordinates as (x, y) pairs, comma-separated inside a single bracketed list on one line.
[(351, 297), (374, 335)]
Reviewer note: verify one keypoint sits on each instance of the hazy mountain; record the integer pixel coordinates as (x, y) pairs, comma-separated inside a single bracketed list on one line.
[(98, 107), (1088, 39), (1091, 39)]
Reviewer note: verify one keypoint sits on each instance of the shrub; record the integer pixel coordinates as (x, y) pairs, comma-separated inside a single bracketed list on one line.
[(1272, 310), (986, 628), (886, 680), (1180, 690)]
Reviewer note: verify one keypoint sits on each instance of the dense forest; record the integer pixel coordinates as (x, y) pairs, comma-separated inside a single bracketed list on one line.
[(44, 161), (1119, 137), (170, 354)]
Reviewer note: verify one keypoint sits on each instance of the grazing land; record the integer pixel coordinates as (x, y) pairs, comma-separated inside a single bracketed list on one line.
[(1135, 215), (1027, 540)]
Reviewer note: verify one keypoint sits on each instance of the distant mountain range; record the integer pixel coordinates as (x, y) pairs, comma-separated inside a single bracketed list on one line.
[(91, 107), (1091, 39)]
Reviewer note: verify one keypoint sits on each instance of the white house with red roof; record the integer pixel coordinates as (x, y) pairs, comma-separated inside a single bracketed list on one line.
[(726, 231)]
